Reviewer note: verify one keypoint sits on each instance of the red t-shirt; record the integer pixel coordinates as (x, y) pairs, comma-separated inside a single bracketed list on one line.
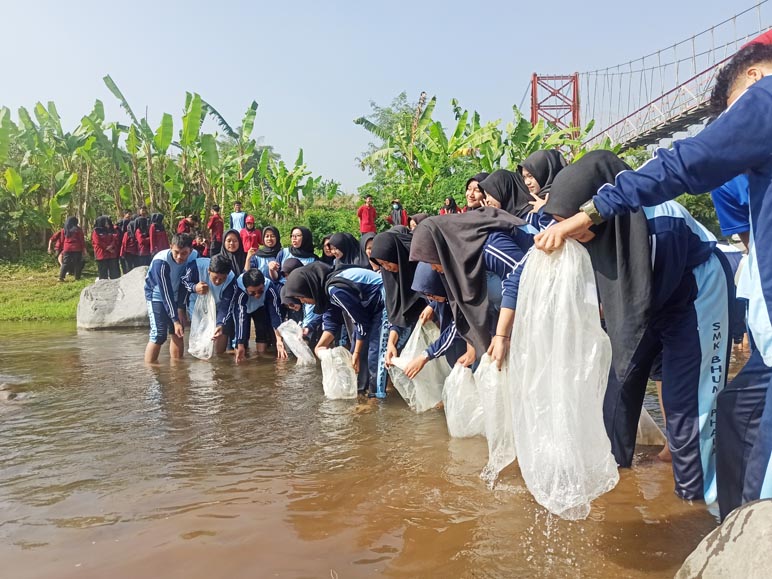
[(366, 219), (215, 225), (250, 239)]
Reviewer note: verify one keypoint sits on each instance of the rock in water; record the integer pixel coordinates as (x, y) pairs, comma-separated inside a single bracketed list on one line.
[(114, 303), (738, 548)]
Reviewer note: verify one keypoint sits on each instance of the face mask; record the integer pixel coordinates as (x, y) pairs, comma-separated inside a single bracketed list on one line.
[(394, 206)]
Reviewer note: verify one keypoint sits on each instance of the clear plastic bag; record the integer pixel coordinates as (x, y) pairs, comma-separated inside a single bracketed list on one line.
[(292, 334), (495, 390), (463, 408), (423, 392), (649, 434), (203, 324), (338, 377), (562, 356)]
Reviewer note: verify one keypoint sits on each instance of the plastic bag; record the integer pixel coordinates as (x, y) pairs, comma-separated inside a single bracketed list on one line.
[(203, 324), (292, 334), (562, 356), (338, 377), (495, 390), (649, 434), (463, 408), (423, 392)]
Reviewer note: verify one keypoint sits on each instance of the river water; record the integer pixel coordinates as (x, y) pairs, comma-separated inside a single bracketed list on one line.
[(109, 468)]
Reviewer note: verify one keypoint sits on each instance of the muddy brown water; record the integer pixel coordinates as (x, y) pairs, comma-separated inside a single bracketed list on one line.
[(109, 468)]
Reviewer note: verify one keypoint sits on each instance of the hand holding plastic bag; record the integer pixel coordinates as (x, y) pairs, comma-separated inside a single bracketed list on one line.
[(562, 358), (423, 392), (203, 323), (292, 334), (338, 378), (463, 408)]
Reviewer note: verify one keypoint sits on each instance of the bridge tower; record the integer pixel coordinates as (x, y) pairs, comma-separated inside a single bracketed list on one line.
[(555, 99)]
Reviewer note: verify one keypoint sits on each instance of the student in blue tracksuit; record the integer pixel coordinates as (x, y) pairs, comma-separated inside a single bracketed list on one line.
[(465, 249), (739, 140), (664, 287), (215, 276), (450, 344), (731, 203), (165, 301), (251, 292), (301, 247), (269, 253), (358, 293)]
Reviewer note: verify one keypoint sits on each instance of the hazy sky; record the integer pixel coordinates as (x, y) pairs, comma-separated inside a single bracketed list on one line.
[(314, 66)]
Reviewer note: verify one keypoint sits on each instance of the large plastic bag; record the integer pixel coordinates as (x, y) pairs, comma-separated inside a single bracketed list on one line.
[(292, 334), (423, 392), (463, 408), (560, 359), (495, 390), (203, 323), (649, 434), (338, 377)]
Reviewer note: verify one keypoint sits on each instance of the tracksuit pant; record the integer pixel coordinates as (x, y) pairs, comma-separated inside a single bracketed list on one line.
[(693, 334)]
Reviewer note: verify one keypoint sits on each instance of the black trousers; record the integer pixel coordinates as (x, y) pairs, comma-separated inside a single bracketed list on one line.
[(108, 268), (72, 263)]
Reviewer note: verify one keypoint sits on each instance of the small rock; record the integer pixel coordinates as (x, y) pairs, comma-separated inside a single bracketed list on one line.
[(740, 547), (7, 395)]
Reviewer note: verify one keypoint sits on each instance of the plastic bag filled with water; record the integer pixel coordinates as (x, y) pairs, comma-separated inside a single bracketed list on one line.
[(463, 408), (560, 359), (203, 323), (338, 377), (495, 390), (292, 334), (423, 392)]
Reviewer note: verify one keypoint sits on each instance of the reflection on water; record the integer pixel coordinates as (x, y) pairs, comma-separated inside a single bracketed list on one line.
[(111, 468)]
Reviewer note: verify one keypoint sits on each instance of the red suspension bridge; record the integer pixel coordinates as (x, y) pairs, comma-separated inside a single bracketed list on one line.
[(653, 97)]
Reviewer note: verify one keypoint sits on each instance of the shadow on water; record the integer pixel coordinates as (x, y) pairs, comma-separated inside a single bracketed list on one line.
[(197, 469)]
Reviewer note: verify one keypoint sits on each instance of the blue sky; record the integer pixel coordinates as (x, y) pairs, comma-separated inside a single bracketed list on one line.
[(314, 66)]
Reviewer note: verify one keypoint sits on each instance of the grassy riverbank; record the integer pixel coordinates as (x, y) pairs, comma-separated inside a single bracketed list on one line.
[(30, 291)]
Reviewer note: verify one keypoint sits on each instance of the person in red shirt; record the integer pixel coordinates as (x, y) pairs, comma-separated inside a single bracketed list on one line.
[(366, 214), (188, 225), (73, 249), (449, 207), (215, 226), (55, 245), (142, 233), (129, 246), (250, 235), (398, 215), (159, 239), (104, 239)]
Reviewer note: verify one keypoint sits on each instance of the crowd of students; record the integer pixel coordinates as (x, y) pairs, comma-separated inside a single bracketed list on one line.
[(666, 286)]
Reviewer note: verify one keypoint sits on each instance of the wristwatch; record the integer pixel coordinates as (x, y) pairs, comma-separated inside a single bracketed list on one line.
[(592, 212)]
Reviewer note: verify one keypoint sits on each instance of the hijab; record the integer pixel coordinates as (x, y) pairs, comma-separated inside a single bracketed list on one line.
[(400, 229), (352, 253), (238, 257), (403, 305), (620, 253), (480, 177), (102, 225), (70, 226), (457, 244), (544, 166), (363, 245), (289, 265), (428, 281), (157, 219), (309, 281), (450, 207), (418, 217), (142, 224), (329, 260), (306, 249), (265, 251), (508, 188)]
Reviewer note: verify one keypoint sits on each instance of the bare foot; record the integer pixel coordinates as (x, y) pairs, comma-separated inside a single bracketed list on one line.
[(664, 454)]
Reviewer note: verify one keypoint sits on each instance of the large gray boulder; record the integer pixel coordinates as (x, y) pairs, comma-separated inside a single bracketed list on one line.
[(114, 303), (740, 547)]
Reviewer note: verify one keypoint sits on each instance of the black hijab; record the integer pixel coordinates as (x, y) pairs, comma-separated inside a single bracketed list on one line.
[(427, 281), (306, 249), (328, 259), (70, 226), (310, 281), (400, 229), (480, 177), (544, 166), (238, 257), (396, 214), (363, 245), (457, 245), (508, 188), (103, 225), (352, 253), (289, 265), (270, 251), (452, 207), (142, 224), (620, 253), (403, 304), (157, 219), (418, 217)]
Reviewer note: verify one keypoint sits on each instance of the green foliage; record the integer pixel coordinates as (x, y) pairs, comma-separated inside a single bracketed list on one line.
[(702, 209), (326, 220)]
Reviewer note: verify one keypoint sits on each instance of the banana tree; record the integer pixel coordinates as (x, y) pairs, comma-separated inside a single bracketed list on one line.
[(20, 214), (284, 184)]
